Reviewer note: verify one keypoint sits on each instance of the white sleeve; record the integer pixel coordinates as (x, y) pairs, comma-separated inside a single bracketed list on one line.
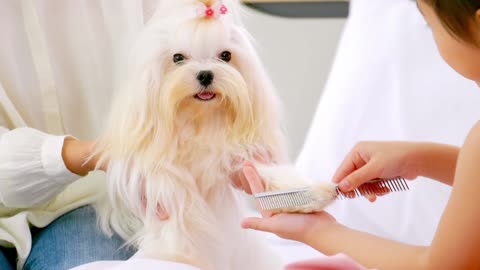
[(32, 170)]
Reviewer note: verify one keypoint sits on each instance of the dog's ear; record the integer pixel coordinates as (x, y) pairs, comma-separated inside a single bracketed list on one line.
[(267, 107), (133, 117)]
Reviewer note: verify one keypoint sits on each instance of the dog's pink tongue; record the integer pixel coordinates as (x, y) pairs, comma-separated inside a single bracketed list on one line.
[(205, 95)]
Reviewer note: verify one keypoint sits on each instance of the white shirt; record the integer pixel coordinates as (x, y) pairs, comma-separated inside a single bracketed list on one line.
[(59, 64)]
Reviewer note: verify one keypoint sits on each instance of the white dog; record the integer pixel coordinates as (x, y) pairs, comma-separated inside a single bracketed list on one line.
[(198, 102)]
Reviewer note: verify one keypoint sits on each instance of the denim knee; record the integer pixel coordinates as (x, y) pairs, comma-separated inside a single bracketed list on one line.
[(72, 240), (5, 263)]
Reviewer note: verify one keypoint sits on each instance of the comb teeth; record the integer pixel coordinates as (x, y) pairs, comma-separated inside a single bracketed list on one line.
[(278, 200), (375, 187), (301, 197)]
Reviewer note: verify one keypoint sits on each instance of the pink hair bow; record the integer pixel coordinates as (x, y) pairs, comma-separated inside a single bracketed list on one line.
[(213, 11)]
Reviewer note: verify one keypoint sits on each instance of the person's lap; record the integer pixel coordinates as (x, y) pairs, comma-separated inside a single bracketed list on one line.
[(72, 240), (5, 263)]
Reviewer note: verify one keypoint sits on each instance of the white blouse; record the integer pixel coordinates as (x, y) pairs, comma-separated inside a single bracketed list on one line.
[(60, 62)]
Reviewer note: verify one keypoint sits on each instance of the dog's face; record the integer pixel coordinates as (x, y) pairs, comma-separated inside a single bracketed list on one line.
[(194, 79), (202, 72), (201, 62)]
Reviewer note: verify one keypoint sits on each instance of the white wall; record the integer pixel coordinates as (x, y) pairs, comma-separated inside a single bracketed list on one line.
[(298, 54)]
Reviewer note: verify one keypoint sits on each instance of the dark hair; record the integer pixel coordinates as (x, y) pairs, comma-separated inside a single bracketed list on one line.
[(456, 16)]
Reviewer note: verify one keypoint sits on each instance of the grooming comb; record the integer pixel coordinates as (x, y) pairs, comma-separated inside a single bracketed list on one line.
[(320, 196)]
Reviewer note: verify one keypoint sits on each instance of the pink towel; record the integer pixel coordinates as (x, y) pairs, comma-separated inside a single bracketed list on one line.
[(337, 262)]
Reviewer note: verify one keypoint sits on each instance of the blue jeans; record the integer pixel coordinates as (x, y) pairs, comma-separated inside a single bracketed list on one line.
[(6, 259), (71, 240)]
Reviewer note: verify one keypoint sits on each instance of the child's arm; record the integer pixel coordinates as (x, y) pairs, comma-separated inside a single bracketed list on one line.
[(370, 160), (322, 232), (456, 244), (437, 161), (369, 250)]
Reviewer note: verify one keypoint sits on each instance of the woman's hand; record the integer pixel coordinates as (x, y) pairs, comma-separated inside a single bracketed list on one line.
[(371, 160), (299, 227), (75, 154)]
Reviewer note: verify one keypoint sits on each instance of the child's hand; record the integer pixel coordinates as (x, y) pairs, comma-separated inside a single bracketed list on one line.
[(371, 160), (299, 227), (238, 177)]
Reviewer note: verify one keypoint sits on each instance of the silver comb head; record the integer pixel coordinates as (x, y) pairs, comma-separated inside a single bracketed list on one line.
[(296, 198), (375, 187), (284, 199)]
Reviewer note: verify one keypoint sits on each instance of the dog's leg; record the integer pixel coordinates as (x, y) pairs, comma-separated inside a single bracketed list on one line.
[(282, 177), (191, 233)]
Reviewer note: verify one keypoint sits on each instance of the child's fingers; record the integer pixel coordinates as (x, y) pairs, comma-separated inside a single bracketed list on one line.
[(239, 181), (259, 158), (352, 162), (371, 198), (383, 193), (263, 159), (358, 177), (259, 224), (345, 168), (251, 175), (245, 184), (255, 182), (378, 190)]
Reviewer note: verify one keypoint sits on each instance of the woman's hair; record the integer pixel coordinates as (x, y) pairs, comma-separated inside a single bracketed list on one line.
[(456, 16)]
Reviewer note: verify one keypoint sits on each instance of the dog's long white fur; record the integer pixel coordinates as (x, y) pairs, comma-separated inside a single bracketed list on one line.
[(166, 149)]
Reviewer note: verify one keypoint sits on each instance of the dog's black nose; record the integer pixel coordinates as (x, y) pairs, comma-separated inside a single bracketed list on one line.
[(205, 77)]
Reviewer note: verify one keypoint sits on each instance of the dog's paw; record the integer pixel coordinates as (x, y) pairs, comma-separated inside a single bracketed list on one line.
[(319, 196), (278, 178)]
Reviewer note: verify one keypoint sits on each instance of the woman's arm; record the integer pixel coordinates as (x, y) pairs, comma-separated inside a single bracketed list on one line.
[(32, 166), (76, 154)]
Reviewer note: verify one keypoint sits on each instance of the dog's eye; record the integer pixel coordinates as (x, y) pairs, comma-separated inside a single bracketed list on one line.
[(177, 58), (226, 56)]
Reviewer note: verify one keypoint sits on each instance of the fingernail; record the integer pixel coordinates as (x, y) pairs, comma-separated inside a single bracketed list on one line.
[(345, 185)]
